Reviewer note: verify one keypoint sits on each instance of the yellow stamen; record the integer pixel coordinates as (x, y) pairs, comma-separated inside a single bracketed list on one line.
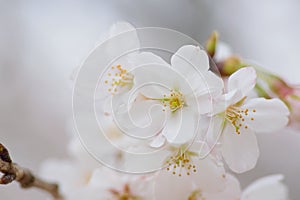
[(181, 161), (237, 117), (175, 100), (118, 78)]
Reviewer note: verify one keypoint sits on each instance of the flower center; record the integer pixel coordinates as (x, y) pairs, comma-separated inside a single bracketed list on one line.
[(175, 100), (118, 79), (236, 116), (196, 195), (181, 161), (125, 194)]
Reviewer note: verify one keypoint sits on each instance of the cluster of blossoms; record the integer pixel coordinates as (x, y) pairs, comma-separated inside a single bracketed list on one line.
[(198, 120)]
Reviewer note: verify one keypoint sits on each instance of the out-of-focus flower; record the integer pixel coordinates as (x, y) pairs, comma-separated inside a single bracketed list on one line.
[(230, 65), (71, 174), (270, 85), (108, 184), (119, 78), (75, 173), (119, 33), (242, 117), (221, 53), (78, 182), (290, 95), (270, 187), (82, 177), (293, 102)]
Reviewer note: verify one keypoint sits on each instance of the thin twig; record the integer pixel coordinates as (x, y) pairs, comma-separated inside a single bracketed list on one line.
[(13, 172)]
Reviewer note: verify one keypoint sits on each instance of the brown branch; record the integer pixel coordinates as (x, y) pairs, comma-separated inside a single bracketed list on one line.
[(13, 172)]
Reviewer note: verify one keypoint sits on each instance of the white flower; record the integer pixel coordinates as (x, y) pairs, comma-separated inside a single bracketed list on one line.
[(122, 49), (187, 175), (75, 173), (120, 38), (120, 77), (82, 177), (231, 191), (179, 92), (118, 82), (108, 184), (270, 187), (71, 174), (239, 118)]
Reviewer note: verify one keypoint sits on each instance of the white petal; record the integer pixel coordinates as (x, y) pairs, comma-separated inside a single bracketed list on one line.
[(222, 102), (193, 64), (123, 38), (270, 187), (214, 82), (81, 155), (204, 104), (145, 58), (209, 176), (190, 57), (209, 179), (223, 51), (140, 113), (243, 80), (158, 141), (103, 174), (120, 27), (270, 114), (69, 175), (120, 103), (169, 186), (200, 148), (214, 130), (90, 193), (232, 190), (179, 127), (155, 80), (239, 151), (206, 83), (144, 119)]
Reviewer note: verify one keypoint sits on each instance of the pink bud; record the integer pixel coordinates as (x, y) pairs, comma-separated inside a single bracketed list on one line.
[(280, 87), (290, 95), (293, 101)]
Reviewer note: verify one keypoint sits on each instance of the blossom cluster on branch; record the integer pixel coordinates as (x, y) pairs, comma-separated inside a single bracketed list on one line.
[(170, 128), (13, 172), (196, 120)]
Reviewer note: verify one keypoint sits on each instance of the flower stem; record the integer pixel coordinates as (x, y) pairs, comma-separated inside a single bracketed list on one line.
[(13, 172)]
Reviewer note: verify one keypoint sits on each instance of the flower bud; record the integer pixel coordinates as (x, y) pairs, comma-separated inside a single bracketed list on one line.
[(290, 95), (212, 43), (293, 101), (230, 65)]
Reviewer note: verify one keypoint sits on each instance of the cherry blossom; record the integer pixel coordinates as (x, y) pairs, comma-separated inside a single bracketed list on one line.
[(188, 176), (180, 92), (239, 118)]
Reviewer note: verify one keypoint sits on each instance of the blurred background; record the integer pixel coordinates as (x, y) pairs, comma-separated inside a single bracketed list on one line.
[(42, 42)]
